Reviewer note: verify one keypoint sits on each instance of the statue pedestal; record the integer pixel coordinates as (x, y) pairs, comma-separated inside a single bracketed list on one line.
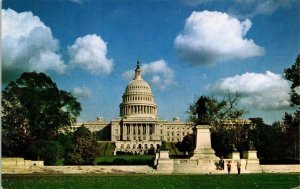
[(203, 144), (252, 162), (234, 156), (164, 163)]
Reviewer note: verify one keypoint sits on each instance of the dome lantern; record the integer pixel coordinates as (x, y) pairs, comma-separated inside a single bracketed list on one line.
[(138, 71)]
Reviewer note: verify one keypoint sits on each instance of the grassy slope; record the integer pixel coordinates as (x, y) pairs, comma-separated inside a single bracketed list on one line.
[(151, 181), (173, 150), (106, 148)]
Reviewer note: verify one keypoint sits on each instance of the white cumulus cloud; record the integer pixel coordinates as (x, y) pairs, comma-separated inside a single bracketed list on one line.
[(81, 92), (161, 75), (28, 45), (261, 90), (89, 53), (210, 37)]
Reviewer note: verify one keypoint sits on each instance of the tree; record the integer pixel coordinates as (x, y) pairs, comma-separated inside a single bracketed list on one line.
[(34, 109), (47, 150), (291, 125), (293, 74), (275, 142), (264, 139), (291, 122), (187, 144), (85, 148)]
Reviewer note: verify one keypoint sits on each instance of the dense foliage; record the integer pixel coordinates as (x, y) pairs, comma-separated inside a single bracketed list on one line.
[(293, 74), (85, 148), (33, 112), (188, 144), (277, 142)]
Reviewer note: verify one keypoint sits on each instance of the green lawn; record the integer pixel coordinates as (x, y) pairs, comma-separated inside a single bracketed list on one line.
[(251, 181)]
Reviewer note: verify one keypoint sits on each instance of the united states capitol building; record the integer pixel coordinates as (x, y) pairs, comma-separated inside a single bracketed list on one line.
[(138, 128)]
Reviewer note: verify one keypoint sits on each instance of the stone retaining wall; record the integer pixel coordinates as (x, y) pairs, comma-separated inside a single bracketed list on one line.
[(8, 162), (117, 169), (281, 168), (130, 169)]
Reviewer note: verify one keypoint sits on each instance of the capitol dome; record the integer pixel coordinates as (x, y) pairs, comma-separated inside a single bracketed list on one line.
[(138, 99)]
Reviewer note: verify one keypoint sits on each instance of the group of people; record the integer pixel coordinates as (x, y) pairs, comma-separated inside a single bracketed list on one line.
[(222, 163)]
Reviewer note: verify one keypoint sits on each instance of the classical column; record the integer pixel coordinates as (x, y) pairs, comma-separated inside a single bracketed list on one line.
[(124, 132), (136, 130), (131, 131), (147, 131)]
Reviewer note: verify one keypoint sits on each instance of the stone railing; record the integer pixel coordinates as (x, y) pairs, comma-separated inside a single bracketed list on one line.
[(19, 165), (281, 168), (9, 162)]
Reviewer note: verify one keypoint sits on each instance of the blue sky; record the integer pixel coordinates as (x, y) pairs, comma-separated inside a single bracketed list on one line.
[(186, 48)]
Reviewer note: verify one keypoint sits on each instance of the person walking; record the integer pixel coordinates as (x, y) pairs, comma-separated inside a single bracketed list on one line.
[(229, 167), (221, 164), (238, 166)]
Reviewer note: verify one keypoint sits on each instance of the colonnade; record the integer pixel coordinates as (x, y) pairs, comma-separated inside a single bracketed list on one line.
[(129, 98), (138, 131), (138, 109)]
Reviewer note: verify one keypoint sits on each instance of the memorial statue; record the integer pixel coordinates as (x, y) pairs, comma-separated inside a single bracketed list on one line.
[(202, 109), (233, 147), (251, 146)]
